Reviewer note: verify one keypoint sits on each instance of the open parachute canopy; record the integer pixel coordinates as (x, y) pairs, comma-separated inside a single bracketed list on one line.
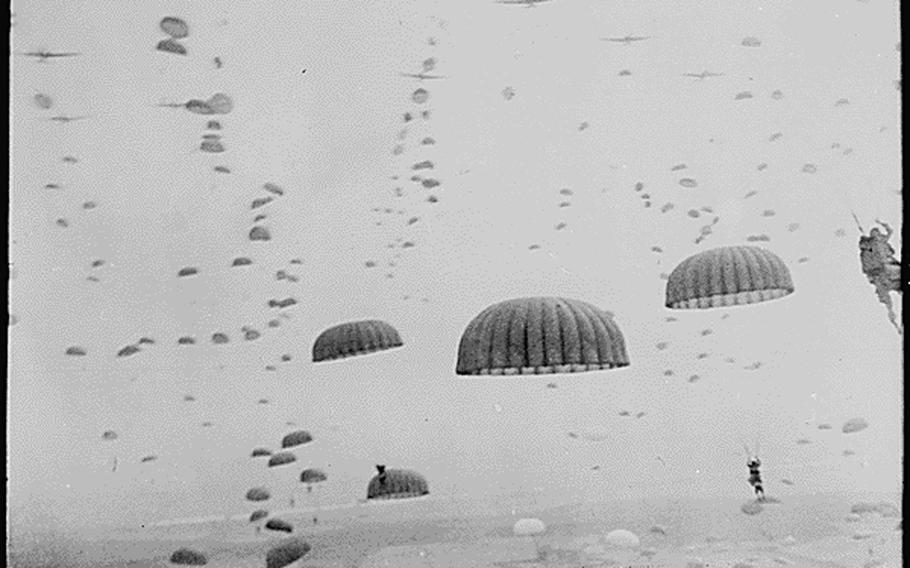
[(258, 494), (728, 276), (312, 476), (188, 557), (355, 338), (542, 335), (276, 524), (286, 553), (282, 458), (295, 439), (397, 484), (258, 515), (171, 45), (174, 27)]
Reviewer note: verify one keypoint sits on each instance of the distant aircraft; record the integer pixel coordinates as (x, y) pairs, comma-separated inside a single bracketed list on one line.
[(527, 3), (626, 40), (65, 119), (703, 75), (45, 55), (422, 76)]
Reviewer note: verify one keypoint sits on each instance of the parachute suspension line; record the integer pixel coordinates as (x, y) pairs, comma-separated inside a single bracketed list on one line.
[(858, 226)]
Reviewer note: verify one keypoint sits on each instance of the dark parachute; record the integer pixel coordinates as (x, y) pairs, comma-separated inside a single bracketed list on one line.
[(219, 338), (355, 338), (279, 525), (174, 27), (285, 303), (109, 435), (258, 494), (171, 45), (309, 476), (211, 146), (258, 515), (295, 439), (272, 188), (75, 351), (128, 350), (728, 276), (213, 125), (282, 458), (188, 271), (396, 484), (543, 335), (241, 261), (286, 553), (186, 340), (188, 557), (260, 233), (260, 453)]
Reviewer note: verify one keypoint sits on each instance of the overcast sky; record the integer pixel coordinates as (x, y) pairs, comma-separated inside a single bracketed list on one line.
[(318, 111)]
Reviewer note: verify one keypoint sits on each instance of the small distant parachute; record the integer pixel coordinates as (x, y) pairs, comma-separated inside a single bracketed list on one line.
[(213, 125), (279, 525), (751, 41), (128, 350), (728, 276), (294, 439), (420, 96), (424, 165), (188, 271), (251, 334), (109, 435), (286, 553), (258, 515), (272, 188), (688, 183), (220, 103), (824, 427), (854, 425), (212, 146), (219, 338), (260, 202), (285, 358), (146, 341), (528, 527), (189, 398), (42, 101), (787, 482), (222, 169), (560, 335), (75, 351), (260, 453), (147, 459), (174, 27), (287, 302), (260, 233), (396, 484), (186, 340), (355, 338), (282, 458), (188, 557), (752, 508), (241, 261), (312, 475), (170, 45), (258, 494)]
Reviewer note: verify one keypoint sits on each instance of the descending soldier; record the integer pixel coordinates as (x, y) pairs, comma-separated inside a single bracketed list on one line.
[(755, 477), (881, 267)]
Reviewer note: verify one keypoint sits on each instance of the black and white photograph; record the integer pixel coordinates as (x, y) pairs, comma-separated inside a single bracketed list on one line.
[(455, 284)]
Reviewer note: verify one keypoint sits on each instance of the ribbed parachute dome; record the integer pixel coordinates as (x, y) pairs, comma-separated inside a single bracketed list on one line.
[(542, 335), (355, 338), (397, 484), (728, 276)]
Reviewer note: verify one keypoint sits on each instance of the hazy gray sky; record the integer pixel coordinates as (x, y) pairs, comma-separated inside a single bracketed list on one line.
[(326, 136)]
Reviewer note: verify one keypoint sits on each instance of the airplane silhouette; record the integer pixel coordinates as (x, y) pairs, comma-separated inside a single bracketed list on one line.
[(422, 76), (626, 40), (65, 119), (527, 3), (45, 55), (703, 75)]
